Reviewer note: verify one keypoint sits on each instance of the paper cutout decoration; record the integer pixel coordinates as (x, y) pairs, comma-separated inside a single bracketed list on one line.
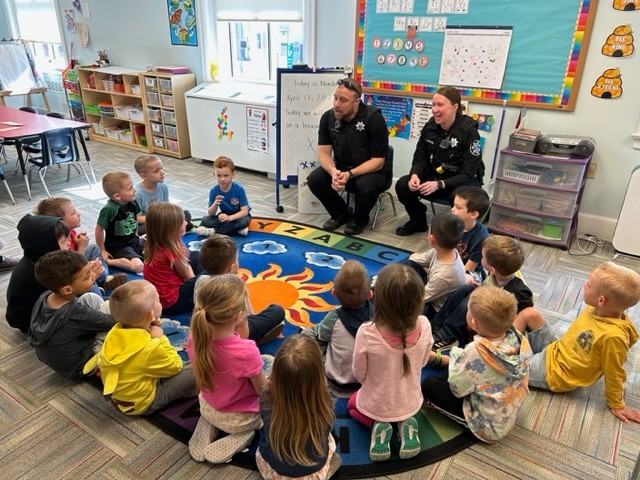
[(619, 43), (626, 5), (608, 85), (485, 122)]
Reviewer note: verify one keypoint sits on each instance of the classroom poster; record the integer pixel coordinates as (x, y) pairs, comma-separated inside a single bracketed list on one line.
[(257, 119), (396, 111)]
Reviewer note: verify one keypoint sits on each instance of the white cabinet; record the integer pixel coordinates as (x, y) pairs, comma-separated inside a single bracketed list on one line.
[(537, 197), (236, 120)]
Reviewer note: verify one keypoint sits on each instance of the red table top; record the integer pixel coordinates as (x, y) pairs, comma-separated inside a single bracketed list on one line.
[(30, 123)]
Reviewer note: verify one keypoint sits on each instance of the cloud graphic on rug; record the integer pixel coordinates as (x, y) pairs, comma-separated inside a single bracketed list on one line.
[(322, 259), (175, 332), (264, 247), (194, 246)]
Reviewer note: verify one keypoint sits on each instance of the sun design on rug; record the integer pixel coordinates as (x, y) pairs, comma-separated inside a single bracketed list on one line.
[(297, 296)]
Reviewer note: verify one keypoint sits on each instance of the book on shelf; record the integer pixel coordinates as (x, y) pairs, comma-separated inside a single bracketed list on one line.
[(172, 69)]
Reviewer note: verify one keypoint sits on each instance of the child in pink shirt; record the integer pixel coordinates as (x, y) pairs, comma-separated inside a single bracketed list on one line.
[(228, 370), (388, 358)]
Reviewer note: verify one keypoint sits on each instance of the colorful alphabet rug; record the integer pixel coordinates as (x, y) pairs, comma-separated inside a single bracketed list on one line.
[(294, 264)]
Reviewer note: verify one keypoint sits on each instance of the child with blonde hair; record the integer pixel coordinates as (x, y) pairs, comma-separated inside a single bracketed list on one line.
[(297, 412), (141, 372), (388, 358), (117, 227), (168, 265), (488, 379), (79, 242), (152, 188), (596, 344), (228, 207), (227, 368)]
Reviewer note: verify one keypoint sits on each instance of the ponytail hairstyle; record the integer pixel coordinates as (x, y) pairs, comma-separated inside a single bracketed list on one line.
[(300, 403), (163, 224), (396, 281), (219, 300)]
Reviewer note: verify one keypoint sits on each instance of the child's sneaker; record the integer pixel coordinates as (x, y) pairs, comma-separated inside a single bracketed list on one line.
[(409, 440), (244, 232), (202, 437), (270, 335), (379, 449), (221, 451), (114, 281), (442, 344), (205, 231)]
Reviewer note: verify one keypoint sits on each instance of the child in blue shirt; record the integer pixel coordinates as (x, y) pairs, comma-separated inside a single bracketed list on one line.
[(228, 211)]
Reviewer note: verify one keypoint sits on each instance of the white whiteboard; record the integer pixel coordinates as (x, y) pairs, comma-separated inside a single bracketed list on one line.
[(303, 96), (625, 237)]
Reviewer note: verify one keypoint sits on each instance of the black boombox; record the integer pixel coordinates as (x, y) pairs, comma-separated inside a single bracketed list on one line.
[(570, 145)]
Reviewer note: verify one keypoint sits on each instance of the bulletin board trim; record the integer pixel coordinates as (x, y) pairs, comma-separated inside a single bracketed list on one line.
[(564, 100)]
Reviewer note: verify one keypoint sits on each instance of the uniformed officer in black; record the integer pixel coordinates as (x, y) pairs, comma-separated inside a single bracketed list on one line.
[(448, 155), (352, 146)]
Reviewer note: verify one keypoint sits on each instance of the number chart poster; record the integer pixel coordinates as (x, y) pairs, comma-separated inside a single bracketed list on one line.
[(535, 56)]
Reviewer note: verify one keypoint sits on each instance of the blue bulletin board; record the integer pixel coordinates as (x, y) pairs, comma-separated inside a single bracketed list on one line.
[(404, 46)]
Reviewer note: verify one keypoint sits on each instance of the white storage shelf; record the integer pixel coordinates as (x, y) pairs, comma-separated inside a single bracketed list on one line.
[(537, 197)]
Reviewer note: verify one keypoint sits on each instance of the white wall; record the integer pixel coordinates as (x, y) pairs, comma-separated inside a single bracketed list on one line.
[(610, 122), (135, 34)]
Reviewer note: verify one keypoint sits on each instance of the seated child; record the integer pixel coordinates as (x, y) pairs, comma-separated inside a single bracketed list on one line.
[(116, 230), (152, 188), (167, 263), (67, 331), (228, 211), (296, 440), (37, 234), (79, 242), (488, 379), (228, 371), (140, 370), (441, 267), (596, 343), (502, 257), (388, 358), (471, 203), (337, 330), (219, 255)]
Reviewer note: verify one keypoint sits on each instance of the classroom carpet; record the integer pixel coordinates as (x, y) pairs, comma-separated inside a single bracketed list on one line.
[(294, 264)]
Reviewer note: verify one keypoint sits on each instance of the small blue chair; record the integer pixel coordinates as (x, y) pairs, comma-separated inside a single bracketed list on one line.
[(58, 147)]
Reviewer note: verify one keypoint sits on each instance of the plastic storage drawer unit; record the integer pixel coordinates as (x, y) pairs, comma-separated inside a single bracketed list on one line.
[(544, 170), (169, 117), (170, 131), (529, 226), (153, 98)]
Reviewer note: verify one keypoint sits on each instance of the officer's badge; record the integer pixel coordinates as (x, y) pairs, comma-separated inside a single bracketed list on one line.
[(360, 126)]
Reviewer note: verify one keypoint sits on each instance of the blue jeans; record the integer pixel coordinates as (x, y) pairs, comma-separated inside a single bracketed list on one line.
[(91, 253), (225, 228)]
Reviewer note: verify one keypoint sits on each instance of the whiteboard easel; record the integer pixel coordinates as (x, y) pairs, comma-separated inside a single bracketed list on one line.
[(16, 74), (304, 94)]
